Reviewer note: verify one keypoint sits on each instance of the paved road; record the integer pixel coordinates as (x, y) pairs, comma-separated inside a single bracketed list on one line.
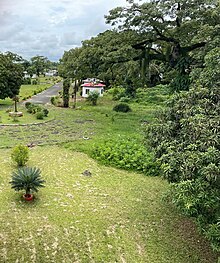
[(44, 96)]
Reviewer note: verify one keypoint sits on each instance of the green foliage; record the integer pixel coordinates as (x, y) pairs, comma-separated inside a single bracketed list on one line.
[(66, 88), (27, 178), (155, 95), (34, 82), (40, 115), (186, 140), (93, 97), (27, 104), (45, 112), (52, 100), (26, 81), (11, 75), (20, 155), (122, 107), (117, 92), (128, 154), (34, 108)]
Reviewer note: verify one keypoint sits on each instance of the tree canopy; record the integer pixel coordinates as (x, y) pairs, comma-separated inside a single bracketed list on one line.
[(171, 31), (11, 75)]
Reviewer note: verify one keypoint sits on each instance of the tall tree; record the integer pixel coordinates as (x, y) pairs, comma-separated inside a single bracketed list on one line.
[(11, 75), (39, 64), (171, 31)]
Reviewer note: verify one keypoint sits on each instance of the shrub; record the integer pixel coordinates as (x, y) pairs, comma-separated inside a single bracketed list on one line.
[(40, 115), (34, 82), (128, 154), (117, 92), (125, 99), (93, 97), (33, 108), (45, 112), (27, 104), (185, 138), (20, 155), (26, 81), (122, 107), (52, 100)]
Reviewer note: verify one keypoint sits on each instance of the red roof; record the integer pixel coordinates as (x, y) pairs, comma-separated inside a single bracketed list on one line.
[(98, 85)]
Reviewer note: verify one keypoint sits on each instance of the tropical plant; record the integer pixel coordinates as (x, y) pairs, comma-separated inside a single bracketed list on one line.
[(93, 97), (28, 179), (20, 154)]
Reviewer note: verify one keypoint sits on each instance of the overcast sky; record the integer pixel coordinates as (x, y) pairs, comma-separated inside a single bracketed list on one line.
[(48, 27)]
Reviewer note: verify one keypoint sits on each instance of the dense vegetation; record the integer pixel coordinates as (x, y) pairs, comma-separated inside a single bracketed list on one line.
[(186, 141)]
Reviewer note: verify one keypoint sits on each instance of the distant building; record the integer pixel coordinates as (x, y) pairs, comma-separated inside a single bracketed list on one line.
[(51, 73), (92, 85)]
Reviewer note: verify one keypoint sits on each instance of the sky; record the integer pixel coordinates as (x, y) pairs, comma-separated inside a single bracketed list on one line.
[(50, 27)]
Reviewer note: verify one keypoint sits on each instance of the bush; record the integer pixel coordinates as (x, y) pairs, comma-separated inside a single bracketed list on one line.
[(125, 99), (117, 92), (40, 115), (185, 138), (128, 154), (93, 97), (33, 108), (27, 104), (52, 100), (122, 107), (34, 82), (26, 81), (45, 112), (20, 155)]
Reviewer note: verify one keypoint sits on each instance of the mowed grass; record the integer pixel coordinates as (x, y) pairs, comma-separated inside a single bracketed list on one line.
[(111, 216)]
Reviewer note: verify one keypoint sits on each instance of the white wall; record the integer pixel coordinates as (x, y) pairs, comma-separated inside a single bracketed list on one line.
[(99, 90)]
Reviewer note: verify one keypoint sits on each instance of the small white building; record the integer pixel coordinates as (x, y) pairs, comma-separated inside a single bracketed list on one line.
[(89, 87)]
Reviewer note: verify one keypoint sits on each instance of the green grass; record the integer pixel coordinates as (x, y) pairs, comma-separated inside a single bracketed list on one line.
[(27, 118), (27, 91), (112, 216)]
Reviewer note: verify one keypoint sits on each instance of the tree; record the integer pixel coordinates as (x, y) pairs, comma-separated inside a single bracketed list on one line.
[(39, 64), (107, 56), (186, 141), (66, 88), (11, 75), (176, 33)]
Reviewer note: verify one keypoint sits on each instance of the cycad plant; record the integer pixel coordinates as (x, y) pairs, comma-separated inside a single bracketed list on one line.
[(28, 179)]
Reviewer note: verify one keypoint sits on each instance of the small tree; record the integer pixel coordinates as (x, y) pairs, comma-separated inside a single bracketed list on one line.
[(93, 97), (20, 155), (66, 88)]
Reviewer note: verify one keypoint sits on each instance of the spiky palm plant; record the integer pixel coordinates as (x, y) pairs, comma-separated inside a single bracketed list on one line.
[(28, 179)]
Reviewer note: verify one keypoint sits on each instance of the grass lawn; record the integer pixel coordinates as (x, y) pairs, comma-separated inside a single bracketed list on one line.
[(27, 91), (112, 216), (27, 118)]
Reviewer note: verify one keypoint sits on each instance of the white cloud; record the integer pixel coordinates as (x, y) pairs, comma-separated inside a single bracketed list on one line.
[(48, 27)]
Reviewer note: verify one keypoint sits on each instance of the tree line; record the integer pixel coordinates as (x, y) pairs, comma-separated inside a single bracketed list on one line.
[(12, 68)]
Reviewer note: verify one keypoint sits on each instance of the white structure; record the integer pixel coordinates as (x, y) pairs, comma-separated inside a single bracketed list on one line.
[(89, 87)]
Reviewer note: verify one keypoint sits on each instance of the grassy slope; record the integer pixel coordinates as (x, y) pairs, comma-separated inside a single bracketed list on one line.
[(112, 216)]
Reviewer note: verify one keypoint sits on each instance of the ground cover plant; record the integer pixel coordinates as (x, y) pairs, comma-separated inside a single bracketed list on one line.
[(110, 216)]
